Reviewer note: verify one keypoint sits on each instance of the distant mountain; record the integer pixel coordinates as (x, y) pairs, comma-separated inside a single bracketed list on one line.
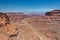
[(37, 13)]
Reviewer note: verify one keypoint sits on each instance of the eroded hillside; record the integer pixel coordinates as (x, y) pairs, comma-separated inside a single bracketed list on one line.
[(7, 30)]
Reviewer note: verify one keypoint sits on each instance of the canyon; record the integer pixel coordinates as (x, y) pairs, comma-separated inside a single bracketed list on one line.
[(20, 26)]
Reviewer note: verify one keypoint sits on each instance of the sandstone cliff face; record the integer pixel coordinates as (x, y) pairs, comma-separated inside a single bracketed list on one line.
[(53, 13), (6, 29)]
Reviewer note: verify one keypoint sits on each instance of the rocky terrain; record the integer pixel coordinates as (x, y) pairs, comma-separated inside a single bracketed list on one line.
[(53, 13), (29, 27)]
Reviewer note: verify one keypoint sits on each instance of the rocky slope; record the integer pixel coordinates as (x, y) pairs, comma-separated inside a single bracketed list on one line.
[(7, 30)]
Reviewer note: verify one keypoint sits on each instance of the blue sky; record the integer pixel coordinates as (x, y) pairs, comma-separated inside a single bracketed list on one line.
[(28, 5)]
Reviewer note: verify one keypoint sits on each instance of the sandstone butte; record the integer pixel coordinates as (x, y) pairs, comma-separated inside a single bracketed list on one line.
[(45, 27)]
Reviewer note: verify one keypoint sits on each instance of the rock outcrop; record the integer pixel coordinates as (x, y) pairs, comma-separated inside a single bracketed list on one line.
[(7, 30), (53, 13)]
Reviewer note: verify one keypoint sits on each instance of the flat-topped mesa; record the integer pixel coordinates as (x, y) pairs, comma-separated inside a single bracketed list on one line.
[(53, 13)]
